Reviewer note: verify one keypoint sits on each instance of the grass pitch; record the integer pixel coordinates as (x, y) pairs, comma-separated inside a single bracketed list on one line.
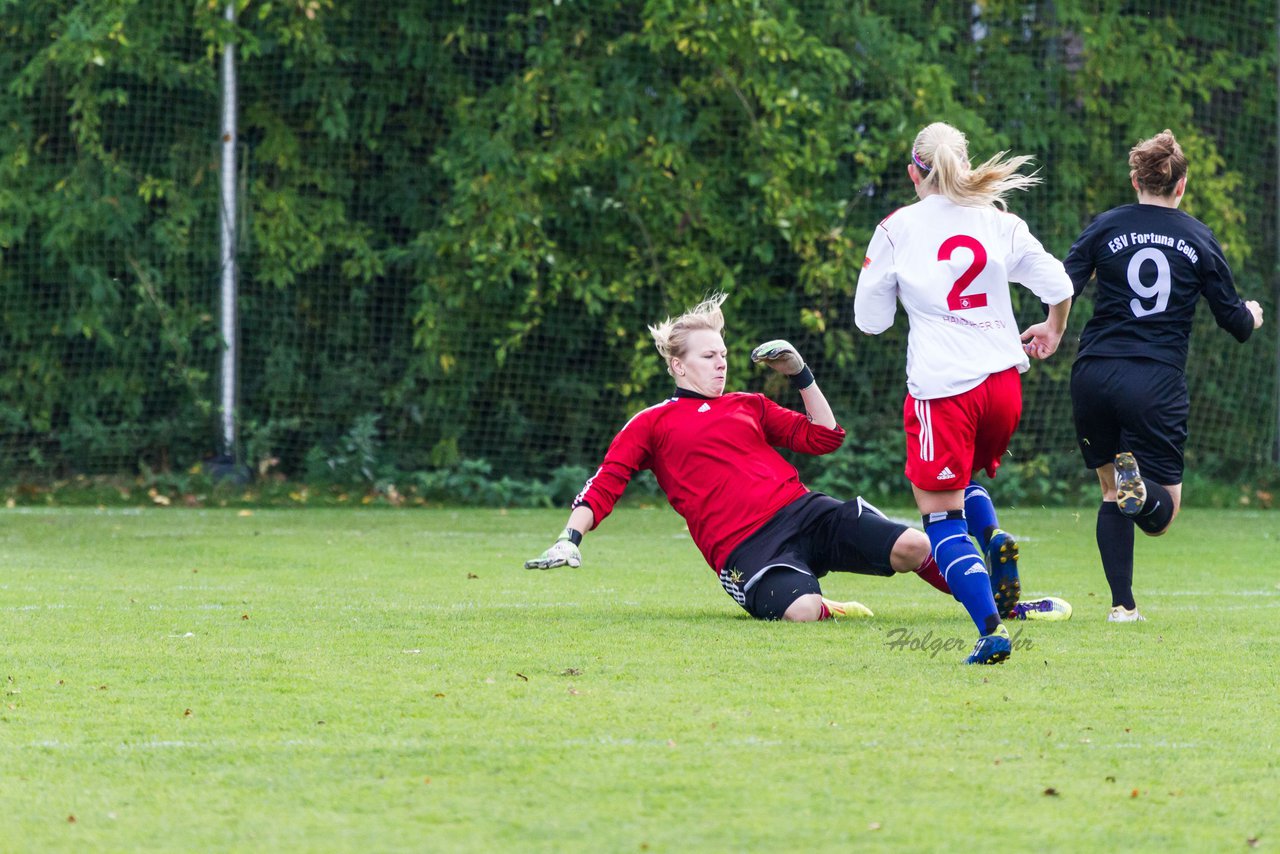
[(394, 680)]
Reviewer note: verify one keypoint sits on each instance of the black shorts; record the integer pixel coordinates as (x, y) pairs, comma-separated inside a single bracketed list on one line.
[(1135, 405), (811, 536)]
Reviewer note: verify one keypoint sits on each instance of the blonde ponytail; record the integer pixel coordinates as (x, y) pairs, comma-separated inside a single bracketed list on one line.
[(941, 152)]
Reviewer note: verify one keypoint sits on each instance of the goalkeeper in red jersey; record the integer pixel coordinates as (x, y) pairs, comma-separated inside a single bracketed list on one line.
[(766, 535)]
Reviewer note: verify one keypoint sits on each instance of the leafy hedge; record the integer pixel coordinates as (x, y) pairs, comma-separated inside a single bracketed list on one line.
[(460, 216)]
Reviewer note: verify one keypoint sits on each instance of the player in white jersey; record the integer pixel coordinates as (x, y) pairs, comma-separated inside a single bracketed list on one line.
[(949, 259)]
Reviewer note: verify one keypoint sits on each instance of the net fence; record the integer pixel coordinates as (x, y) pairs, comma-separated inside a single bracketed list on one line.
[(456, 219)]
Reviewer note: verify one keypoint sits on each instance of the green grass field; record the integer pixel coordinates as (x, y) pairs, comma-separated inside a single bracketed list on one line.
[(316, 680)]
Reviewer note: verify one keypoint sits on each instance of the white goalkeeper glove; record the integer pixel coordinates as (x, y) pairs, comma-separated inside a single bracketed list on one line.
[(563, 553), (784, 359)]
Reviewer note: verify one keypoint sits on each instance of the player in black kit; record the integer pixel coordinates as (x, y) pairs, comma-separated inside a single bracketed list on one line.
[(1128, 385)]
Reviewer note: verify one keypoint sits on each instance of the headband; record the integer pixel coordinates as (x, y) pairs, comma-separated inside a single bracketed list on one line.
[(920, 164)]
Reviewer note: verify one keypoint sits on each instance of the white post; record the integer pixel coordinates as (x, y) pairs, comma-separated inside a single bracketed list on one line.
[(228, 261)]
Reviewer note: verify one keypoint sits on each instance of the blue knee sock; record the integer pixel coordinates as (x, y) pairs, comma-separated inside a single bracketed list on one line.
[(980, 513), (962, 567)]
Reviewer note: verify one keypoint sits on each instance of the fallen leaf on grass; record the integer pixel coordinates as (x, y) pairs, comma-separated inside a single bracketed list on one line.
[(1051, 792), (571, 671), (188, 713), (1134, 793), (522, 676), (472, 575)]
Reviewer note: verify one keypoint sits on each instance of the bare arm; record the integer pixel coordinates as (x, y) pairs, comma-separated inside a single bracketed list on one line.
[(582, 519), (1041, 340), (815, 404)]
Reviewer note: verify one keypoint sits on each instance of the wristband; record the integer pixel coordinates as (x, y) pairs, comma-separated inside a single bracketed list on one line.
[(802, 380), (572, 536)]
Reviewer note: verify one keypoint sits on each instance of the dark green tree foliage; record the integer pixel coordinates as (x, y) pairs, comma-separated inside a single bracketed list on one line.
[(458, 217), (107, 332)]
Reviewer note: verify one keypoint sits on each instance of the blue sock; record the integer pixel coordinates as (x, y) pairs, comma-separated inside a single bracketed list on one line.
[(980, 512), (962, 567)]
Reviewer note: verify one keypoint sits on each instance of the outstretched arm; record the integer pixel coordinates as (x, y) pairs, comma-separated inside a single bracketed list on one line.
[(565, 549)]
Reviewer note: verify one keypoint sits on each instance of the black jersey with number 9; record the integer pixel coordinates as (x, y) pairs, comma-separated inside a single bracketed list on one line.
[(1153, 264)]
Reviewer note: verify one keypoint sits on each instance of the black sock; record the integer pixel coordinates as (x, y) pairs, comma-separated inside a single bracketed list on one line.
[(1115, 546), (1157, 510)]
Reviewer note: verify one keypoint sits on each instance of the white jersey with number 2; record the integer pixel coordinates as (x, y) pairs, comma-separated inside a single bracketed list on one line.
[(951, 266)]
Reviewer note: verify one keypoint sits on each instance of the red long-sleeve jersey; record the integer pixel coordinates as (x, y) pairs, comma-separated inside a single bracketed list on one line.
[(716, 461)]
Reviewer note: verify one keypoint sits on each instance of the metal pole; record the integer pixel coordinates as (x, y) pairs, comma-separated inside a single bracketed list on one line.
[(1275, 270), (228, 265)]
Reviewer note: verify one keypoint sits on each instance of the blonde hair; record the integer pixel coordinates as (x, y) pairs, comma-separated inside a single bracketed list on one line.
[(1158, 164), (671, 336), (941, 152)]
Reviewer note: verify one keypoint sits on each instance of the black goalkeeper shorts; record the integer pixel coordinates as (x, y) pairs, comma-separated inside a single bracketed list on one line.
[(811, 536)]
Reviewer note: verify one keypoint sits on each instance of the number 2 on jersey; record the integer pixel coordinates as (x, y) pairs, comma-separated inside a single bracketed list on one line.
[(957, 300)]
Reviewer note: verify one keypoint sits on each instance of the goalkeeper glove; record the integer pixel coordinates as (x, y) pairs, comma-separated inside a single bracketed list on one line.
[(564, 552), (784, 359)]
